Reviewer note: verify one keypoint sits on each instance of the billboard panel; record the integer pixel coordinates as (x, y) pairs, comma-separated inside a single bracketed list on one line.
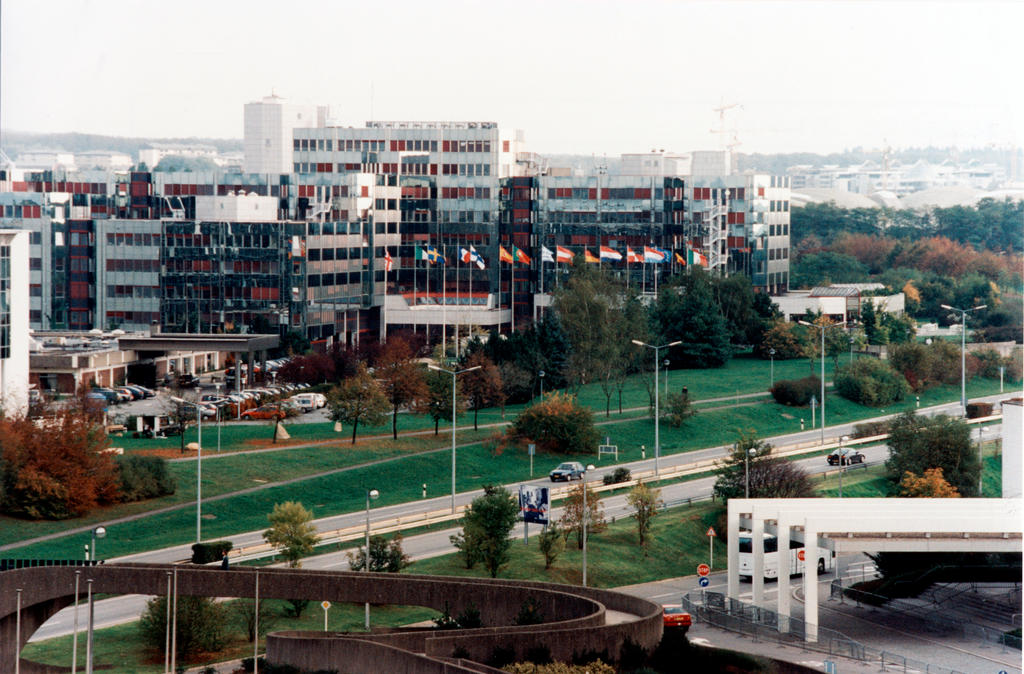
[(534, 503)]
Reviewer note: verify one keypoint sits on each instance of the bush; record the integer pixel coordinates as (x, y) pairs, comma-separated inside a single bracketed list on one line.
[(796, 392), (620, 474), (978, 410), (143, 477), (870, 428), (201, 622), (204, 553), (557, 424), (870, 382), (986, 363)]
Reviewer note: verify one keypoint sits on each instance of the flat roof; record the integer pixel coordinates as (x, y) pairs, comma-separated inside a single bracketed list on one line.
[(200, 342)]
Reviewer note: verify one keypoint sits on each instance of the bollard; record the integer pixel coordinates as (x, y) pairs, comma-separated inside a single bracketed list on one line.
[(801, 424), (643, 452), (424, 490)]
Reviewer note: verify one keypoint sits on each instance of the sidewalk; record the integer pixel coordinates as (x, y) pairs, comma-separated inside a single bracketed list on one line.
[(702, 634)]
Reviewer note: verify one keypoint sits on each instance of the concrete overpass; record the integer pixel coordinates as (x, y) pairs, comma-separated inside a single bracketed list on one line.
[(864, 525), (254, 346)]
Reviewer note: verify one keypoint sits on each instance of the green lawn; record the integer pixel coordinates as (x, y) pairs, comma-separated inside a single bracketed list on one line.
[(120, 649)]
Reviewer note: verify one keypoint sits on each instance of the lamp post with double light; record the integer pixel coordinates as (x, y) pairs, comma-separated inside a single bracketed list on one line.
[(454, 374), (842, 462), (746, 470), (771, 376), (657, 411), (963, 351), (371, 494), (199, 464), (822, 328), (541, 376)]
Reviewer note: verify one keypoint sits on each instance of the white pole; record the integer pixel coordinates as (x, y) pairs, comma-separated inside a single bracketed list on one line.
[(823, 384), (256, 641), (453, 442), (17, 636), (174, 625), (167, 630), (583, 485), (74, 638), (199, 476), (657, 411), (88, 639)]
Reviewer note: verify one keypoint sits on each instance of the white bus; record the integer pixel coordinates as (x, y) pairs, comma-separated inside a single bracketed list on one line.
[(826, 558)]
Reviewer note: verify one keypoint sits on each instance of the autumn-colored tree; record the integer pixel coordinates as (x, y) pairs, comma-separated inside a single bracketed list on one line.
[(787, 342), (483, 387), (929, 485), (358, 400), (312, 368), (401, 378), (438, 403), (55, 467), (556, 424), (572, 514), (645, 502), (871, 251)]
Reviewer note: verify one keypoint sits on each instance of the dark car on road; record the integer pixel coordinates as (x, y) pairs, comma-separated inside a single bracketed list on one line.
[(570, 470), (845, 457)]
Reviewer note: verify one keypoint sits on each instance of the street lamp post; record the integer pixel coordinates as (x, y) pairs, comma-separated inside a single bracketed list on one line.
[(852, 340), (199, 465), (657, 411), (98, 532), (585, 517), (541, 375), (963, 351), (454, 374), (219, 408), (771, 380), (746, 471), (370, 494), (822, 401), (666, 363), (842, 463)]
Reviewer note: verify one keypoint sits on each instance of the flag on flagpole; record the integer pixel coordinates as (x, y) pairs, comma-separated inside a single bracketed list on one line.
[(695, 257), (680, 259), (653, 255), (464, 256), (298, 247), (504, 256), (430, 254), (607, 253), (477, 258), (388, 262), (666, 253), (546, 255), (633, 256), (520, 256), (563, 254), (590, 257)]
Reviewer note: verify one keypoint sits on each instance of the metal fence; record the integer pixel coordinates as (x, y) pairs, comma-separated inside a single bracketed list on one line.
[(714, 608)]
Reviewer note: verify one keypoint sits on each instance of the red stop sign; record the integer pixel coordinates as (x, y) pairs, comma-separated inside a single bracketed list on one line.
[(800, 555), (703, 570)]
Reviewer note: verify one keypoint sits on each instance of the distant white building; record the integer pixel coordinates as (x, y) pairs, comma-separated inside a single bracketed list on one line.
[(45, 159), (268, 132), (151, 156), (706, 163), (107, 160), (14, 332), (655, 163), (237, 208)]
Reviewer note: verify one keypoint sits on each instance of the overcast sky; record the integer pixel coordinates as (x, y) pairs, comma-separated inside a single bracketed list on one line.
[(582, 77)]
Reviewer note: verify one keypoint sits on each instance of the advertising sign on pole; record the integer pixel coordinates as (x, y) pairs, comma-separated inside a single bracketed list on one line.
[(534, 503)]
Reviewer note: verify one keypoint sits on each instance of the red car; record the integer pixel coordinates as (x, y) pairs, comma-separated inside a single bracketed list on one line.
[(675, 617), (264, 412)]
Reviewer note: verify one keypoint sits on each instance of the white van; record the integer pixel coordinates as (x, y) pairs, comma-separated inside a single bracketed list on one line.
[(309, 401)]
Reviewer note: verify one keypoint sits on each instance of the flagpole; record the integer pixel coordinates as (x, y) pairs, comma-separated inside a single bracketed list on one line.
[(444, 308), (458, 307)]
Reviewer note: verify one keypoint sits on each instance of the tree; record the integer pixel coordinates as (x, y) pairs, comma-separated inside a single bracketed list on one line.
[(252, 619), (645, 502), (552, 543), (200, 625), (587, 306), (870, 382), (57, 468), (483, 387), (358, 399), (825, 268), (787, 342), (572, 513), (917, 443), (181, 411), (686, 311), (401, 378), (770, 476), (439, 398), (291, 531), (677, 409), (487, 524), (557, 424), (385, 556), (929, 485)]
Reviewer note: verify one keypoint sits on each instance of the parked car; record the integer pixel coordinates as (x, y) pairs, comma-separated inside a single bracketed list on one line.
[(264, 412), (187, 381), (569, 470), (673, 616), (128, 393), (109, 394), (845, 457)]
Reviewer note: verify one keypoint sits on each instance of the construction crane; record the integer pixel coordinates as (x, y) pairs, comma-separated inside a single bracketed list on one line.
[(728, 143)]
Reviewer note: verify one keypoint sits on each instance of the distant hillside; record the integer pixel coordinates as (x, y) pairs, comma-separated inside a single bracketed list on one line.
[(15, 142), (778, 163)]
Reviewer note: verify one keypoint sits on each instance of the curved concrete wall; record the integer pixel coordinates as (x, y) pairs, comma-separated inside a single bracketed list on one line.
[(574, 617)]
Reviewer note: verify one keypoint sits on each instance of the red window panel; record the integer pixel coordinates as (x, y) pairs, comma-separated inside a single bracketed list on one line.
[(760, 191), (446, 146), (433, 169), (642, 193), (394, 146), (365, 191), (605, 193), (741, 218), (592, 194), (504, 146)]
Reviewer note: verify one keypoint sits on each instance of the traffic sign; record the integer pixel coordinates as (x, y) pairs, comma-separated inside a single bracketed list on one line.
[(711, 532), (704, 581), (325, 604), (703, 570), (800, 555)]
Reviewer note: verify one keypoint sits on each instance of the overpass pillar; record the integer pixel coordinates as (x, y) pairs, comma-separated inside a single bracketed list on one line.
[(784, 571), (810, 583), (733, 549), (757, 547)]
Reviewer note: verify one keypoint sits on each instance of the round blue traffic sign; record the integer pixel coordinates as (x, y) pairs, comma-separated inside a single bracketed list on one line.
[(704, 581)]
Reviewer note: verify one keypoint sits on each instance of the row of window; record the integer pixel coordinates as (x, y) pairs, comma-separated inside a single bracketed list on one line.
[(778, 230), (778, 253), (778, 206), (132, 239), (131, 265), (133, 291), (414, 145)]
